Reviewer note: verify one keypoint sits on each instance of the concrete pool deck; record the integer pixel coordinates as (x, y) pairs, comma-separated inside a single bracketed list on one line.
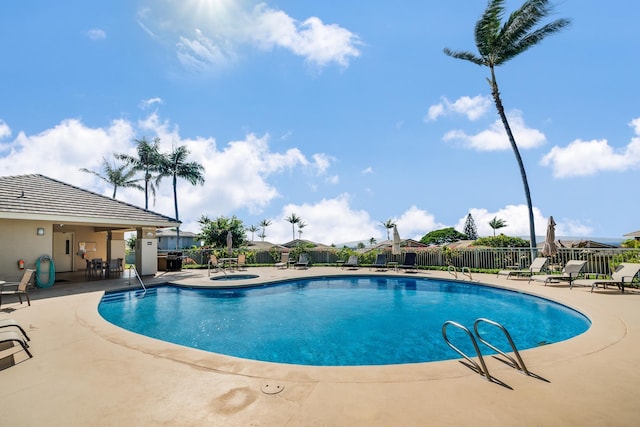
[(86, 371)]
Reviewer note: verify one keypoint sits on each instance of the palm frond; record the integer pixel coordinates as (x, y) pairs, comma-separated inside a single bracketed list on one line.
[(467, 56), (488, 28)]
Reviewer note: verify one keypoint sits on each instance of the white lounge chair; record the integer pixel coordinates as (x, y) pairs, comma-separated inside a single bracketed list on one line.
[(624, 274), (537, 266), (570, 272), (12, 336)]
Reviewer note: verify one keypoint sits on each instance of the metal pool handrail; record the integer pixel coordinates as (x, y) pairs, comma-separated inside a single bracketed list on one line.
[(135, 272)]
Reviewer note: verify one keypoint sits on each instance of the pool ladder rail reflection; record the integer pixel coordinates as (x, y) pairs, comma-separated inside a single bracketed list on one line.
[(481, 368)]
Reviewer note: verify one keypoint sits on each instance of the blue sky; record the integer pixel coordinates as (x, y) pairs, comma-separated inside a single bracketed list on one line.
[(344, 113)]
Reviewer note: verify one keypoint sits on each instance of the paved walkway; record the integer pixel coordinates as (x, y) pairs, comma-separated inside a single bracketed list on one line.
[(86, 371)]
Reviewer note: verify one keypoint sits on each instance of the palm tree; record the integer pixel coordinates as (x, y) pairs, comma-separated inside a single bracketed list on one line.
[(372, 241), (388, 224), (118, 176), (175, 165), (301, 225), (497, 223), (264, 224), (497, 43), (293, 219), (252, 229), (147, 161)]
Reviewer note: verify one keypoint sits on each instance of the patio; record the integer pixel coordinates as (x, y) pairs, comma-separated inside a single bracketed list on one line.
[(86, 371)]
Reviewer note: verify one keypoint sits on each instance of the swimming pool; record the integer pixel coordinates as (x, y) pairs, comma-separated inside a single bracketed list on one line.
[(339, 321)]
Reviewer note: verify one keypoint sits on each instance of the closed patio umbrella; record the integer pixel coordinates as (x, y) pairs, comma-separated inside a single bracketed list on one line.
[(395, 249), (229, 243), (550, 248)]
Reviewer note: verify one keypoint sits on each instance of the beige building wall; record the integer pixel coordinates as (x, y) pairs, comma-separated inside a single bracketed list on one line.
[(20, 240)]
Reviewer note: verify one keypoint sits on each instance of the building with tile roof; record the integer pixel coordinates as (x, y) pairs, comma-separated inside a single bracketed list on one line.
[(41, 216)]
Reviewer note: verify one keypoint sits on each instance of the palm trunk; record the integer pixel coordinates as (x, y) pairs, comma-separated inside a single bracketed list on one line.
[(175, 204), (496, 97)]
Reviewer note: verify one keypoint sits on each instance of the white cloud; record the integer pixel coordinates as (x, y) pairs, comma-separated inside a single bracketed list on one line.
[(96, 34), (495, 138), (5, 130), (474, 108), (415, 223), (584, 158), (367, 170), (145, 104), (517, 220), (211, 35), (320, 44)]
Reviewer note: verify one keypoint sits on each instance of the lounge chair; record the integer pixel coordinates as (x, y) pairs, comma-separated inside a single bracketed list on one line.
[(352, 263), (381, 263), (284, 261), (623, 274), (13, 336), (538, 265), (21, 287), (303, 262), (10, 323), (570, 272), (409, 262)]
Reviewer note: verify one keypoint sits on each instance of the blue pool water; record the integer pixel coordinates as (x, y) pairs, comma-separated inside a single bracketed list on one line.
[(340, 320)]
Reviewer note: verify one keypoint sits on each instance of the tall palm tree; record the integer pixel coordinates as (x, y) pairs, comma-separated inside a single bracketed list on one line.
[(252, 229), (293, 219), (497, 43), (175, 165), (301, 225), (264, 224), (388, 224), (118, 176), (148, 161), (497, 223)]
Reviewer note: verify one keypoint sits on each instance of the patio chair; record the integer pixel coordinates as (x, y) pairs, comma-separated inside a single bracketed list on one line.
[(10, 323), (538, 265), (241, 264), (213, 264), (352, 263), (381, 263), (21, 287), (571, 271), (284, 261), (12, 336), (409, 262), (624, 274), (303, 261)]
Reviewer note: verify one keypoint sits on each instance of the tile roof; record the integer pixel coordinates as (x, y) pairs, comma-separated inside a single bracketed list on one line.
[(39, 197)]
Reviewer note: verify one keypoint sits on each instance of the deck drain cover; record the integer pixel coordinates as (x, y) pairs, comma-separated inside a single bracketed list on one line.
[(272, 388)]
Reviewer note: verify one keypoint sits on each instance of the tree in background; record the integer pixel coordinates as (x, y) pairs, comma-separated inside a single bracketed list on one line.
[(264, 224), (148, 162), (174, 165), (293, 219), (497, 223), (497, 43), (301, 225), (253, 229), (118, 176), (372, 241), (501, 241), (470, 228), (442, 236), (388, 225), (214, 232)]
